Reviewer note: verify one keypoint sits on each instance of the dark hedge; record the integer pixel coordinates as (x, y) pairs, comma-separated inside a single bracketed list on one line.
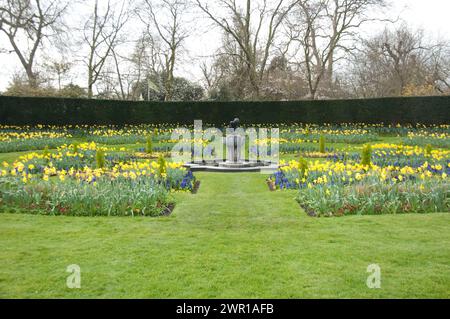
[(60, 111)]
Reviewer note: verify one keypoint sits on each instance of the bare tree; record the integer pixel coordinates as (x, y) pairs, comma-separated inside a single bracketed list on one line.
[(212, 75), (59, 68), (439, 66), (253, 29), (324, 31), (229, 72), (168, 19), (100, 34), (32, 21), (122, 66), (128, 75), (145, 60), (401, 62)]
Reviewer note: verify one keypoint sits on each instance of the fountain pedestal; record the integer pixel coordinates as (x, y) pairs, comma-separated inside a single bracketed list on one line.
[(235, 159), (235, 144)]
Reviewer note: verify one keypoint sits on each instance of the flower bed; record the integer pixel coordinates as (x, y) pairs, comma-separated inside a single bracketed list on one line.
[(80, 180), (399, 179), (373, 197), (16, 139), (104, 197)]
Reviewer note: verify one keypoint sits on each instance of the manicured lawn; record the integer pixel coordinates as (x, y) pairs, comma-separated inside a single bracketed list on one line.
[(232, 239)]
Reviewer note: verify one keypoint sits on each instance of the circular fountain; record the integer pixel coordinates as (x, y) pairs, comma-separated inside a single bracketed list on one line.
[(235, 158)]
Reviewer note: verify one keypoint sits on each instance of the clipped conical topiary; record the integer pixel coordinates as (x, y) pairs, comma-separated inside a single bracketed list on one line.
[(302, 167), (149, 145), (161, 165), (322, 144), (366, 155), (428, 149), (100, 159)]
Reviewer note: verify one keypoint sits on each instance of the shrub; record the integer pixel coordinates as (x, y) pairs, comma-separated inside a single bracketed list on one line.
[(366, 155), (302, 167), (46, 153), (428, 149), (100, 158), (322, 144), (149, 146), (161, 166), (61, 111)]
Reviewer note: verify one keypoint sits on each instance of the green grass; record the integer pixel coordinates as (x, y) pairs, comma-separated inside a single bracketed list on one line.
[(232, 239)]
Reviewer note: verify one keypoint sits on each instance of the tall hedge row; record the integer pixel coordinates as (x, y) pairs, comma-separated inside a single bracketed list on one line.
[(60, 111)]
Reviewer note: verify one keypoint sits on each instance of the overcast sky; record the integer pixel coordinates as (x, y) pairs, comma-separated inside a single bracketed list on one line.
[(431, 15)]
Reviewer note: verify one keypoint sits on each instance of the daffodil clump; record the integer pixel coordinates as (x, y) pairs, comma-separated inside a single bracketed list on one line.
[(303, 138), (81, 162), (15, 139), (393, 179), (361, 128), (374, 197), (85, 180), (65, 157), (293, 138), (295, 146), (339, 173), (308, 133), (404, 155), (104, 197), (423, 137), (132, 134), (160, 138), (128, 134)]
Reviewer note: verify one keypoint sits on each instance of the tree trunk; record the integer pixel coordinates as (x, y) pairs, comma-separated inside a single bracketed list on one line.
[(90, 93), (32, 78)]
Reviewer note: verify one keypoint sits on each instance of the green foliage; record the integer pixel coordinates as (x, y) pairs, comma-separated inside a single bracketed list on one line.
[(100, 159), (19, 145), (373, 198), (62, 111), (152, 89), (322, 144), (149, 145), (21, 86), (161, 165), (302, 167), (329, 138), (72, 91), (46, 153), (116, 140), (414, 243), (428, 149), (366, 155), (223, 93), (118, 197), (424, 141)]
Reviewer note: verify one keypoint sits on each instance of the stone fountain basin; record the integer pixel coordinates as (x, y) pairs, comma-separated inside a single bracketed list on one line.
[(244, 166)]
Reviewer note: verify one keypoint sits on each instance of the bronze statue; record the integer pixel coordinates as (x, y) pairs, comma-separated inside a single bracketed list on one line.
[(234, 124)]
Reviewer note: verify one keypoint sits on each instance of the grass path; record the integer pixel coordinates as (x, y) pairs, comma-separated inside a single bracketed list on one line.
[(232, 239)]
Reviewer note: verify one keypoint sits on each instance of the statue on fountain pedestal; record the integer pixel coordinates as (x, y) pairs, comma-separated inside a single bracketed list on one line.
[(235, 154), (234, 142), (234, 124)]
